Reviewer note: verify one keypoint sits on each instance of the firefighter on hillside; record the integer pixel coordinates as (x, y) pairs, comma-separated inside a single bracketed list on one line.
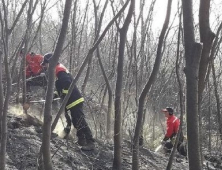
[(34, 71), (173, 124), (74, 105)]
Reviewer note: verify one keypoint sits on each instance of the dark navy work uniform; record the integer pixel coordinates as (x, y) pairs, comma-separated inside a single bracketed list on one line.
[(74, 104)]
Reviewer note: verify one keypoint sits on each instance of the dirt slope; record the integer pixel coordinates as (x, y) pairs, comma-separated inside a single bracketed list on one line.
[(24, 141)]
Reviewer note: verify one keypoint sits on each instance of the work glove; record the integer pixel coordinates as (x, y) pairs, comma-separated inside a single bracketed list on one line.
[(173, 140), (55, 95), (42, 74)]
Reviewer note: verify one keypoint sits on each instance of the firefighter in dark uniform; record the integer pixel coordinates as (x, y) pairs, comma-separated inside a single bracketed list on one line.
[(74, 105)]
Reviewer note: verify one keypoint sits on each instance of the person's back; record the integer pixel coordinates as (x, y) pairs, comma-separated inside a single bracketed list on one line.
[(33, 64), (173, 124), (34, 72), (64, 79)]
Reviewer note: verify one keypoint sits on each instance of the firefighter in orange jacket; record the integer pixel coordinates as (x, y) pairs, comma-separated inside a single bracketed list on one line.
[(173, 124), (33, 64), (74, 105), (34, 71)]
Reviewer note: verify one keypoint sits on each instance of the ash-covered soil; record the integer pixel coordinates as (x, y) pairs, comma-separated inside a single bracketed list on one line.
[(24, 142)]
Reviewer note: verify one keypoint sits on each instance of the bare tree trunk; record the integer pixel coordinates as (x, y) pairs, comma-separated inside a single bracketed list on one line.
[(1, 92), (192, 56), (5, 38), (98, 25), (206, 37), (209, 117), (49, 95), (217, 101), (110, 100), (215, 47), (38, 30), (5, 109), (26, 41), (81, 32), (169, 165), (87, 75), (6, 32), (117, 162), (145, 26), (135, 159), (73, 40)]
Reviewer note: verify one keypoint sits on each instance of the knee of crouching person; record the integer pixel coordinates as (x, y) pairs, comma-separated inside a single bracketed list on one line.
[(183, 149)]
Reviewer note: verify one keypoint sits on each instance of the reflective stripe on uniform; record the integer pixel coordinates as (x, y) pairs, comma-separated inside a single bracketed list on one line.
[(65, 91), (75, 103), (175, 119)]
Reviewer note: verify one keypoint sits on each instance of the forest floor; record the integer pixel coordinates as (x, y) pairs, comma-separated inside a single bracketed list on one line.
[(24, 142)]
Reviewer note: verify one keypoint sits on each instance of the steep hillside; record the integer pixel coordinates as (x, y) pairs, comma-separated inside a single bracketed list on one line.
[(24, 141)]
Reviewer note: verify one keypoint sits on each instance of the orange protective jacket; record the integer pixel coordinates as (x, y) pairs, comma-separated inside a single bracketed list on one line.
[(33, 64), (173, 124)]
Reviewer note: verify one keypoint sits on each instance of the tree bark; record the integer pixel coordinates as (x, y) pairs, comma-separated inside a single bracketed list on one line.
[(1, 92), (26, 41), (6, 32), (192, 57), (206, 37), (110, 99), (215, 46), (98, 25), (217, 102), (73, 40), (135, 159), (170, 162), (117, 162), (49, 95)]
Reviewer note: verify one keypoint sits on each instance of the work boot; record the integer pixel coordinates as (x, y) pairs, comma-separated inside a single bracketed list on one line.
[(90, 145), (82, 141)]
